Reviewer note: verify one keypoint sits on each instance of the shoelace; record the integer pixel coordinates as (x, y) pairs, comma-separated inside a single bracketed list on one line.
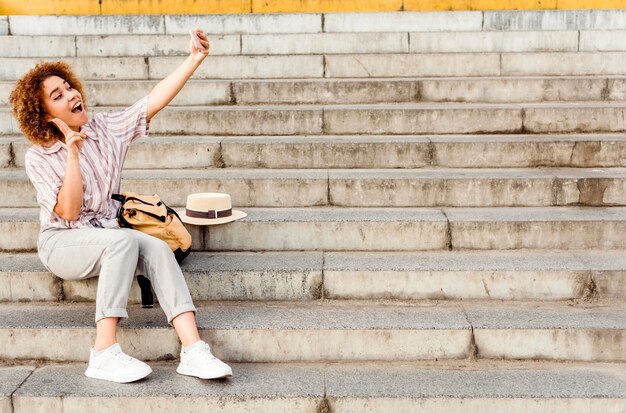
[(205, 351), (122, 356)]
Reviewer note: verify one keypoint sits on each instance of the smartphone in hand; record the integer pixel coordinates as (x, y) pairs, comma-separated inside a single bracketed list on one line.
[(196, 40)]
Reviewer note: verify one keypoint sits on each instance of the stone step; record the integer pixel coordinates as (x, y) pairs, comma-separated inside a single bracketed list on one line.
[(315, 43), (357, 91), (311, 388), (365, 187), (462, 21), (442, 275), (505, 20), (210, 276), (361, 152), (388, 119), (328, 22), (383, 229), (338, 65), (264, 332)]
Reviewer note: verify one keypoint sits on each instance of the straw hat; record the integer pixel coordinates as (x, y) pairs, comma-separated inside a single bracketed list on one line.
[(209, 208)]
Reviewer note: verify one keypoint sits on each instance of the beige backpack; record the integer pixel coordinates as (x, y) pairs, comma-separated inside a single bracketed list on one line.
[(147, 213)]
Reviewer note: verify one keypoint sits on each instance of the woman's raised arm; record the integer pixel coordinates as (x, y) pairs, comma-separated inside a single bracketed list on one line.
[(168, 88)]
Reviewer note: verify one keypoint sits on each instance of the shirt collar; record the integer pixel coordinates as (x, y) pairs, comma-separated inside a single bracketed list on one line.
[(56, 146)]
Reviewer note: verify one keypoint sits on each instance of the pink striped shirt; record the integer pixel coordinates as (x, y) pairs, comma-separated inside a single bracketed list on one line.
[(101, 159)]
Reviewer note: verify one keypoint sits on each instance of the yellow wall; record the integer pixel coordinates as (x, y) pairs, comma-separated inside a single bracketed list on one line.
[(39, 7)]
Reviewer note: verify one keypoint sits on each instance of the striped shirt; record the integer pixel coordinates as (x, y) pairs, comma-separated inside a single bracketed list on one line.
[(102, 156)]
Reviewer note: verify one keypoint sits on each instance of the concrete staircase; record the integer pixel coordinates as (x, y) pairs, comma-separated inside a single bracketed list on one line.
[(436, 212)]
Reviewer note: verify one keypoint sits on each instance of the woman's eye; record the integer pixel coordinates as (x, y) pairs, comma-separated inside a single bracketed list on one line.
[(57, 97)]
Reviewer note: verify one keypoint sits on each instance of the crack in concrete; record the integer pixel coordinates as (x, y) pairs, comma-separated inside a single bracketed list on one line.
[(324, 406), (432, 151), (363, 66), (12, 160), (322, 289), (472, 351), (19, 387), (590, 292), (449, 244), (486, 288), (147, 62), (605, 94), (232, 98), (219, 158), (329, 200)]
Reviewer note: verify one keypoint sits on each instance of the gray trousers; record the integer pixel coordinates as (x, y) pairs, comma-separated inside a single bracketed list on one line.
[(116, 256)]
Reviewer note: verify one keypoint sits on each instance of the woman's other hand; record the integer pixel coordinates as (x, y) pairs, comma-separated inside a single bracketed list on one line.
[(198, 54), (73, 140)]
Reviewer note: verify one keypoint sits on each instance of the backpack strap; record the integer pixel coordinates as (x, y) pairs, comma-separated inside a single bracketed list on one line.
[(118, 197)]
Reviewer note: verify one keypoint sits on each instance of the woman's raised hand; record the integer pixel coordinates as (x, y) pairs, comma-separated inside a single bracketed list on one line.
[(73, 140), (198, 54)]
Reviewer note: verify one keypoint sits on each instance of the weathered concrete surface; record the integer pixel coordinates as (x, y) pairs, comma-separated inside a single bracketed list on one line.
[(258, 388), (255, 333), (358, 388)]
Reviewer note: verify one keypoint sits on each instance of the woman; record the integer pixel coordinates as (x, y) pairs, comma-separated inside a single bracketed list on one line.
[(75, 167)]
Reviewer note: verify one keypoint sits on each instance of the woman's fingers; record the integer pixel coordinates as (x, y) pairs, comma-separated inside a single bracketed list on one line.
[(204, 40), (65, 130)]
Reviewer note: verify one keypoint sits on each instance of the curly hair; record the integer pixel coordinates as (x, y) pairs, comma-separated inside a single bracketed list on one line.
[(27, 101)]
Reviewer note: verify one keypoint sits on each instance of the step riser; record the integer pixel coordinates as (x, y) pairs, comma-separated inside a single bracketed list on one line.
[(350, 236), (475, 193), (147, 153), (231, 285), (262, 345), (378, 236), (400, 192), (201, 93), (360, 285), (470, 285), (351, 404), (379, 121), (461, 21), (250, 345), (540, 235), (590, 345), (318, 43), (25, 404), (338, 66)]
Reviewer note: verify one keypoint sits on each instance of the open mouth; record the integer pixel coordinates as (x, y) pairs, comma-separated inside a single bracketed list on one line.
[(78, 108)]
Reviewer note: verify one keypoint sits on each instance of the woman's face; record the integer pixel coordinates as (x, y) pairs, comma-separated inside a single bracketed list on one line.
[(62, 101)]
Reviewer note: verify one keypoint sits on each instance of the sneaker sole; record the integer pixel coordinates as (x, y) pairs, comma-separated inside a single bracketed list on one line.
[(103, 375), (191, 372)]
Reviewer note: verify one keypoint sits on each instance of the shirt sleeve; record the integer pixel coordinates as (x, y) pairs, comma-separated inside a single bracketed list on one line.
[(129, 124), (46, 183)]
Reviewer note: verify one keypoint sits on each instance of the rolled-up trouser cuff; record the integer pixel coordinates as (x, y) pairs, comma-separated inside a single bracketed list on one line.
[(111, 312), (178, 310)]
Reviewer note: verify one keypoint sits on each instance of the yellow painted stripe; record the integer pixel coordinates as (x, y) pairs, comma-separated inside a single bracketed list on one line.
[(82, 7), (324, 6), (175, 6), (38, 7), (444, 5), (591, 4)]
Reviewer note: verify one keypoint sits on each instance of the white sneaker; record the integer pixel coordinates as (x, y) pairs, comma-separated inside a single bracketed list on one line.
[(114, 365), (198, 361)]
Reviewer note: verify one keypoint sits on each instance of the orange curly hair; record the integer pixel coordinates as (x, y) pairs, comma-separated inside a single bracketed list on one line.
[(27, 101)]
